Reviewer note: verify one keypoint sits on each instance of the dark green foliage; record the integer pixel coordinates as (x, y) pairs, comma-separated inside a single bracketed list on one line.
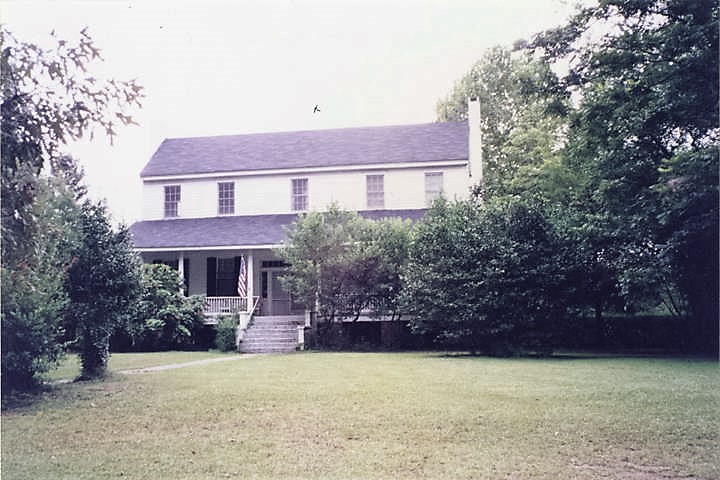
[(345, 265), (103, 285), (645, 136), (486, 278), (48, 98), (637, 333), (226, 329), (163, 319), (30, 326), (689, 227), (33, 295)]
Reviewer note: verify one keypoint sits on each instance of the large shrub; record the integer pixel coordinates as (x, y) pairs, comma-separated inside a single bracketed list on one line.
[(345, 265), (485, 278), (164, 318), (225, 333), (30, 325), (103, 285), (33, 294)]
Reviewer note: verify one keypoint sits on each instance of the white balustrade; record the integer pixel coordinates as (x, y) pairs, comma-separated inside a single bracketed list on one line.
[(225, 305)]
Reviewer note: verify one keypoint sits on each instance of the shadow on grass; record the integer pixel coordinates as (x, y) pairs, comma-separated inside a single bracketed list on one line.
[(585, 355), (23, 398), (19, 399)]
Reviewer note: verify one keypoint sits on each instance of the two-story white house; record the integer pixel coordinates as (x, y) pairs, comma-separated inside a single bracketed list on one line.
[(212, 204)]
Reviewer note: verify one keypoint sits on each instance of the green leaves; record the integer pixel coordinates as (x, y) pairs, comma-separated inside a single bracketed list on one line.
[(33, 294), (163, 318), (103, 285), (523, 114), (49, 99), (485, 277), (345, 265), (645, 134)]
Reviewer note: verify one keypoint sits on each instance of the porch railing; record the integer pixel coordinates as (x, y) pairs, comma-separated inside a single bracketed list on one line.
[(225, 305)]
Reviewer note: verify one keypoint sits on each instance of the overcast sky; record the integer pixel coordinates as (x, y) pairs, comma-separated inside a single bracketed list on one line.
[(232, 67)]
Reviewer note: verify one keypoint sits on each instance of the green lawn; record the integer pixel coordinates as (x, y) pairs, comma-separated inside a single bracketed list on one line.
[(69, 369), (346, 415)]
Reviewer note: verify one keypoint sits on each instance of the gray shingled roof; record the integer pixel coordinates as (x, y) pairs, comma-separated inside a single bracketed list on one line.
[(316, 148), (254, 230)]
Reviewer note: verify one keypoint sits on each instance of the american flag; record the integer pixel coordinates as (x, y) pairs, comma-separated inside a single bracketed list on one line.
[(242, 279)]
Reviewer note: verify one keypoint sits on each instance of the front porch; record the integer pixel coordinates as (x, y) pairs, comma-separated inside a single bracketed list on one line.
[(212, 254), (215, 274)]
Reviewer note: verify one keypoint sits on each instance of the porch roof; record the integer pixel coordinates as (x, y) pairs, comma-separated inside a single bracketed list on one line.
[(253, 231)]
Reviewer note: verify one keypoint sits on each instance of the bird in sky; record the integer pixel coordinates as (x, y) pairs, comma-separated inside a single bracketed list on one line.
[(316, 109)]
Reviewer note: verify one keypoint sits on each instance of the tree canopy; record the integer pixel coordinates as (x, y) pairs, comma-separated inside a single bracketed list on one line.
[(487, 279), (103, 284), (523, 116), (48, 98), (343, 265), (646, 134), (629, 166)]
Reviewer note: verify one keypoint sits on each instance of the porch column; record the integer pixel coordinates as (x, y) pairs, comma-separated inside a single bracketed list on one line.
[(181, 270), (251, 281)]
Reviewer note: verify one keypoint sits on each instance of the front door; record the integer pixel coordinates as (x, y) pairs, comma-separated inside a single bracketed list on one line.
[(275, 300)]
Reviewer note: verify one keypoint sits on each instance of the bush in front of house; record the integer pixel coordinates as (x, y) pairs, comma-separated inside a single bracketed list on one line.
[(485, 279), (225, 333), (344, 266), (164, 318)]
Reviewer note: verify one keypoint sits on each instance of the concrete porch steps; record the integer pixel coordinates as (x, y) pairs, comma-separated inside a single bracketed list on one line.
[(276, 334)]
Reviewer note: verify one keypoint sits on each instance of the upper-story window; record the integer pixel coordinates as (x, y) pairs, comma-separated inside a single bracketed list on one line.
[(433, 186), (226, 198), (299, 194), (172, 199), (375, 191)]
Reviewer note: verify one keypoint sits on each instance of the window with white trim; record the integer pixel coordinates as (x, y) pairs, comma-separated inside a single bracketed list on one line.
[(299, 194), (226, 198), (375, 191), (172, 199), (433, 186)]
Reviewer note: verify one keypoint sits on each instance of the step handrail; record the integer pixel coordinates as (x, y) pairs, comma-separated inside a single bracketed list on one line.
[(245, 321)]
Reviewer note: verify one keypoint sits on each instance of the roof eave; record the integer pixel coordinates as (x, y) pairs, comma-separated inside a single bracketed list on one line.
[(305, 170), (210, 248)]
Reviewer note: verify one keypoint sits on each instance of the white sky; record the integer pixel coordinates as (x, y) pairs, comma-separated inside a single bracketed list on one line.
[(231, 67)]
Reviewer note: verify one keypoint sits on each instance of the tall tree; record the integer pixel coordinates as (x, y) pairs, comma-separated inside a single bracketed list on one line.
[(647, 134), (523, 116), (48, 97), (33, 294)]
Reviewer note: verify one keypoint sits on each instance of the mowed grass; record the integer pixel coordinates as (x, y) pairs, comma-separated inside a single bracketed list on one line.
[(407, 416), (69, 368)]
